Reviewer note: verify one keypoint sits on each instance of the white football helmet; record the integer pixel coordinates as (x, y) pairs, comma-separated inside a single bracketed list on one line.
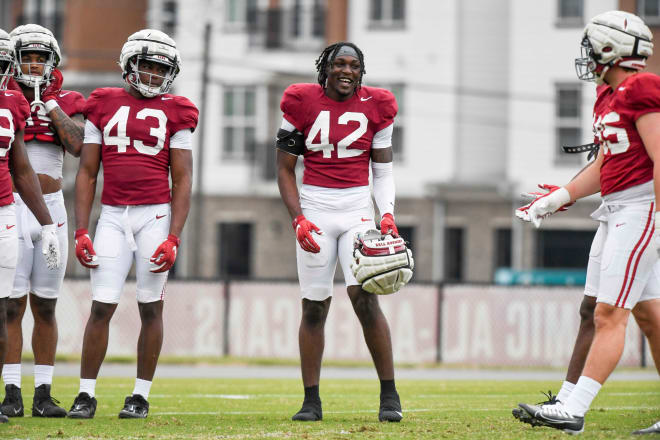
[(150, 45), (6, 60), (613, 38), (35, 38)]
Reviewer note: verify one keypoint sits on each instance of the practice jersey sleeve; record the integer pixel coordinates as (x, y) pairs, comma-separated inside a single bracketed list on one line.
[(22, 112), (387, 108), (186, 115), (71, 102), (643, 95), (93, 106), (291, 106)]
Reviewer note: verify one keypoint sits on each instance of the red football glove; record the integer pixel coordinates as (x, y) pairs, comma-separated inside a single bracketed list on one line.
[(54, 86), (304, 229), (85, 250), (165, 255), (387, 225)]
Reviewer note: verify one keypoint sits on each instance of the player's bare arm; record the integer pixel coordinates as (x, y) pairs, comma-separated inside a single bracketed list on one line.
[(286, 181), (90, 160), (648, 127), (26, 181), (181, 170), (69, 129), (587, 181)]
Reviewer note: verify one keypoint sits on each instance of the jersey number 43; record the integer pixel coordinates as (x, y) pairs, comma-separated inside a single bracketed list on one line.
[(321, 127), (122, 141)]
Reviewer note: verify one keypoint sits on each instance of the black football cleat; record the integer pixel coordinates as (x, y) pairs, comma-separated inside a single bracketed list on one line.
[(654, 429), (554, 416), (12, 406), (135, 407), (525, 417), (311, 411), (390, 408), (44, 405), (84, 407)]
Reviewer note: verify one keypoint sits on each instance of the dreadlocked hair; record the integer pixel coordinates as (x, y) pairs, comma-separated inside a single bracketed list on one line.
[(328, 56)]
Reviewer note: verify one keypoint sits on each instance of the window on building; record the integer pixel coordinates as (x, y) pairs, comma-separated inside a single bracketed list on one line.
[(387, 13), (570, 13), (234, 249), (239, 13), (454, 243), (568, 109), (307, 21), (649, 11), (563, 249), (6, 17), (239, 123), (169, 17), (47, 13), (502, 247)]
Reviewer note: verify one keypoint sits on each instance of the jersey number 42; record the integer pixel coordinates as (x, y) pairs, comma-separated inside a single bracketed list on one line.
[(321, 127)]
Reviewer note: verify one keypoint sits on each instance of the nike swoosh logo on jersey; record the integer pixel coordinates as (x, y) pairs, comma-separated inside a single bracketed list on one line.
[(366, 99), (158, 217), (63, 94), (8, 94), (10, 226), (165, 98), (59, 225)]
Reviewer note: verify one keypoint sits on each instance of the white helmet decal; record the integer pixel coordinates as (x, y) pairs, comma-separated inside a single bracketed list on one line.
[(613, 38), (35, 38), (6, 60), (149, 45)]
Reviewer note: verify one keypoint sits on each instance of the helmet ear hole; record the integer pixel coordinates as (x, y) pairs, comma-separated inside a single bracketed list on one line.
[(607, 49)]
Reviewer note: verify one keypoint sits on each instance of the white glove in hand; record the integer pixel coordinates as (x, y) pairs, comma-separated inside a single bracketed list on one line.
[(50, 246), (544, 206)]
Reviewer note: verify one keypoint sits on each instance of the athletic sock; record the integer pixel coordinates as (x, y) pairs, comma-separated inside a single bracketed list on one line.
[(583, 394), (43, 374), (565, 391), (312, 394), (11, 374), (387, 387), (88, 386), (142, 387)]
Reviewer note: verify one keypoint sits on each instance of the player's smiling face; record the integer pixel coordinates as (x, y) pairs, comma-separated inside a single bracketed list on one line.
[(343, 77)]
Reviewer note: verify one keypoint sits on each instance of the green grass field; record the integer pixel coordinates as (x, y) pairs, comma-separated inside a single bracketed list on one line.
[(245, 409)]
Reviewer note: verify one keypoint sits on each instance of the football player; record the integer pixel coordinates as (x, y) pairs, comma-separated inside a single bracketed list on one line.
[(14, 164), (624, 253), (55, 125), (340, 128), (143, 135)]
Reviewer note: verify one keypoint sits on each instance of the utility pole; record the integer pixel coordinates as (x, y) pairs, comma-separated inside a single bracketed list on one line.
[(196, 259)]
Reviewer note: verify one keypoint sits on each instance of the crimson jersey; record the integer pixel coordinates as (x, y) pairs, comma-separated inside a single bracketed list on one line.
[(14, 110), (136, 137), (338, 135), (625, 160), (38, 124)]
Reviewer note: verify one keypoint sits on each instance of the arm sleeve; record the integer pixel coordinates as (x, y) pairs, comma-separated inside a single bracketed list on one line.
[(182, 140), (383, 187), (383, 138), (92, 134)]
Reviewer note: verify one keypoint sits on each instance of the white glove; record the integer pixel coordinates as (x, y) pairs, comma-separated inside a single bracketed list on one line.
[(50, 246), (544, 206)]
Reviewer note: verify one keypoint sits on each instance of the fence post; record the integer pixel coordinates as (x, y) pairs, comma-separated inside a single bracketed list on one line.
[(226, 293), (438, 321)]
